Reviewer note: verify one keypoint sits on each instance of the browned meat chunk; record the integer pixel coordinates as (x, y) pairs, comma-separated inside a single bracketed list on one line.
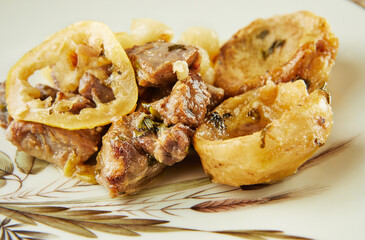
[(52, 144), (47, 91), (91, 87), (79, 102), (173, 144), (123, 168), (136, 148), (186, 104), (5, 118), (153, 62)]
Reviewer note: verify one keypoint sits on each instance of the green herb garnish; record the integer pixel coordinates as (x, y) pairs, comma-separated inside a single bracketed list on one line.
[(218, 120), (271, 49), (263, 34), (254, 114)]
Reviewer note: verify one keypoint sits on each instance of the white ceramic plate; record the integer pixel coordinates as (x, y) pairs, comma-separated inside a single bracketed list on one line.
[(324, 200)]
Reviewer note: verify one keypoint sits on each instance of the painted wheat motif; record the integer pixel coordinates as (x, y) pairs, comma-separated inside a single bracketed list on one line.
[(235, 203), (361, 3), (75, 216), (332, 149)]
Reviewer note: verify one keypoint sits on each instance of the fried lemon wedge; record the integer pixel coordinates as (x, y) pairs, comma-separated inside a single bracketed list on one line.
[(87, 50), (263, 135), (282, 48)]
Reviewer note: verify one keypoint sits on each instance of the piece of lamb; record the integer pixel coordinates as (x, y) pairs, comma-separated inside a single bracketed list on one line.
[(187, 102), (90, 87), (135, 149), (153, 62), (53, 144)]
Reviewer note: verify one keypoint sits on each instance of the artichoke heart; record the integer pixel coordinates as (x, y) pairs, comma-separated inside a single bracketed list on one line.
[(263, 135)]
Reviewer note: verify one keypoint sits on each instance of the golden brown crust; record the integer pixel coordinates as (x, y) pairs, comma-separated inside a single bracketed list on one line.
[(264, 135), (282, 48)]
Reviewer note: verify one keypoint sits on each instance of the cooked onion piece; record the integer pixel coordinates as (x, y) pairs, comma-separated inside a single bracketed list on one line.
[(144, 30), (85, 48), (208, 42), (181, 69), (206, 69), (147, 30), (202, 37), (264, 135), (282, 48)]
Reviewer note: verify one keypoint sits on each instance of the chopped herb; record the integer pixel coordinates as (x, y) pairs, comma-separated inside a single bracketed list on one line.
[(217, 121), (151, 160), (146, 124), (153, 111), (226, 115), (254, 114), (271, 49), (146, 106), (176, 47), (263, 34)]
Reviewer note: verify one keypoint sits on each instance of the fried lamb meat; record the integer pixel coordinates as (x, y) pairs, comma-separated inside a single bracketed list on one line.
[(137, 148), (153, 62), (91, 87), (282, 49), (53, 144), (186, 104)]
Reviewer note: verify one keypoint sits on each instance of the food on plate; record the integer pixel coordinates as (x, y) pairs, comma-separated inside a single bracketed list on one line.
[(281, 49), (144, 30), (137, 148), (153, 61), (142, 144), (118, 108), (264, 135), (87, 63), (56, 145), (186, 104), (202, 37), (208, 43)]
